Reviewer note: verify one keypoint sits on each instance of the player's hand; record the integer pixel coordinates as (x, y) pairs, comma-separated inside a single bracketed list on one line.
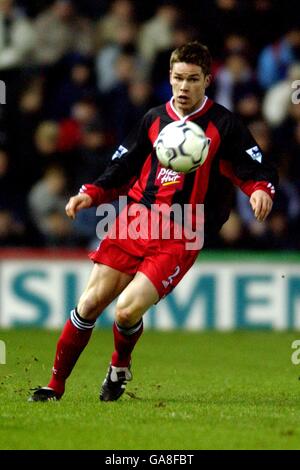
[(261, 204), (76, 203)]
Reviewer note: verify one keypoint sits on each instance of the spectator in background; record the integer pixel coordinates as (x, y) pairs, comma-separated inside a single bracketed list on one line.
[(217, 19), (93, 157), (46, 202), (233, 234), (120, 14), (7, 193), (83, 112), (117, 99), (159, 73), (11, 231), (275, 59), (15, 227), (278, 97), (17, 42), (135, 97), (248, 103), (108, 55), (140, 99), (262, 134), (77, 84), (267, 235), (60, 31), (233, 80), (289, 193), (93, 153), (92, 8), (156, 33), (284, 222), (17, 37), (287, 140), (262, 13), (235, 43), (64, 90), (25, 119), (46, 138), (33, 7), (12, 207)]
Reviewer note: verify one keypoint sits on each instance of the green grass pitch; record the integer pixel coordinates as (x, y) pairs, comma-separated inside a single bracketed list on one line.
[(191, 391)]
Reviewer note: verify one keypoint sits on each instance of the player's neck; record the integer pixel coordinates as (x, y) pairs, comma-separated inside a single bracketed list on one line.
[(182, 113)]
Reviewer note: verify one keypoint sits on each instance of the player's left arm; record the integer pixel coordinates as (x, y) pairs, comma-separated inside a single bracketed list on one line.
[(261, 204), (261, 193), (246, 166)]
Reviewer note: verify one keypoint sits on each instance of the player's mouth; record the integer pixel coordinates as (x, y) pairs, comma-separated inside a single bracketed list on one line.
[(182, 99)]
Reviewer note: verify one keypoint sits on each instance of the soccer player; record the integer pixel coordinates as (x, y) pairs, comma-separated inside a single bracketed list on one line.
[(140, 271)]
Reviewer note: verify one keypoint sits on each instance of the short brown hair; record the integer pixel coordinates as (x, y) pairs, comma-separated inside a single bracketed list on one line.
[(193, 53)]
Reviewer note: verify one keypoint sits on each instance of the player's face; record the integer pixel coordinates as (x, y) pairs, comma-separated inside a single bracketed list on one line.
[(188, 85)]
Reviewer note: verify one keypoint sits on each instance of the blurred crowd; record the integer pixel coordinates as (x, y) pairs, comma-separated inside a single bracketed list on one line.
[(80, 74)]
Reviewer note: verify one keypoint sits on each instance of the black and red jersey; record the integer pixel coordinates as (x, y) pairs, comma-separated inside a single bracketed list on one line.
[(234, 158)]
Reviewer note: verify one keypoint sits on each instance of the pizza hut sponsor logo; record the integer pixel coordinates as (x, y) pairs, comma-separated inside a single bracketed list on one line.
[(167, 177)]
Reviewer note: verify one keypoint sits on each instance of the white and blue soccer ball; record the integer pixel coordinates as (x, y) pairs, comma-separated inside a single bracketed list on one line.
[(182, 146)]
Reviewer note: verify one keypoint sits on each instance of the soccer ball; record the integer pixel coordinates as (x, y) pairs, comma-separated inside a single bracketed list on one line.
[(182, 146)]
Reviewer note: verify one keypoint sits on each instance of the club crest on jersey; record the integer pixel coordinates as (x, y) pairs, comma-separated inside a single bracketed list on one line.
[(167, 177), (119, 152), (255, 153)]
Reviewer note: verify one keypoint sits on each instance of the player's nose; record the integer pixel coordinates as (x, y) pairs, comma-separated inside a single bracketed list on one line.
[(184, 85)]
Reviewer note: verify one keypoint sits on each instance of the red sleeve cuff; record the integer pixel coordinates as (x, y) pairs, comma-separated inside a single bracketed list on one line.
[(95, 192), (250, 186)]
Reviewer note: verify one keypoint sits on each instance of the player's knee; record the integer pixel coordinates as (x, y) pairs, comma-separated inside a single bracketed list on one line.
[(89, 305), (128, 312), (124, 317)]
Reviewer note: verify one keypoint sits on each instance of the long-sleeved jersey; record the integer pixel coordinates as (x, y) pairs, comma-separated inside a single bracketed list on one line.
[(234, 158)]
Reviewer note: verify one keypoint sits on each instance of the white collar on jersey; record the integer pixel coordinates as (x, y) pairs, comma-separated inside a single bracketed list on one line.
[(184, 118)]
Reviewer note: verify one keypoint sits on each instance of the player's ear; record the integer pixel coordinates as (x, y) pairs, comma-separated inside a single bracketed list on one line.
[(207, 80)]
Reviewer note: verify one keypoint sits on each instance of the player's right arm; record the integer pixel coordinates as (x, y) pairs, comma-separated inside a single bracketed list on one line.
[(120, 173), (78, 202)]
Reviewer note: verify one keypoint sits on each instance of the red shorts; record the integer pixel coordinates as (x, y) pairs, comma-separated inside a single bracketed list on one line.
[(163, 261)]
